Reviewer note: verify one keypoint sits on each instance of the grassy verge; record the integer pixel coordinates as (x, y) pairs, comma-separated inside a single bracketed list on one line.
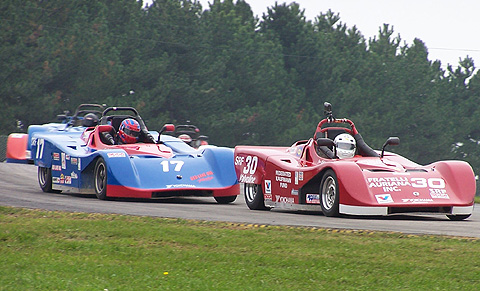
[(43, 250)]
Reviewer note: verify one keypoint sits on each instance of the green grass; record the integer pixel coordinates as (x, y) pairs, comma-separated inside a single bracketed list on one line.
[(42, 250)]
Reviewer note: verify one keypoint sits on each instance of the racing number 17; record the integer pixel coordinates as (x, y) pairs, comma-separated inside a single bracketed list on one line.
[(166, 165)]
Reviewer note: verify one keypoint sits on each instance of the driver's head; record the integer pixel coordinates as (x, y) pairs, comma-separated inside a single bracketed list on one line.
[(129, 131), (89, 120), (186, 138), (345, 145)]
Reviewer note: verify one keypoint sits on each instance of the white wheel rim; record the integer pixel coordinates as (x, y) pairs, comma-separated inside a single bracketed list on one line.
[(43, 176), (329, 191), (250, 192)]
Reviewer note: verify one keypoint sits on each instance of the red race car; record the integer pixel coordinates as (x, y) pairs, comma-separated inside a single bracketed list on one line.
[(338, 173)]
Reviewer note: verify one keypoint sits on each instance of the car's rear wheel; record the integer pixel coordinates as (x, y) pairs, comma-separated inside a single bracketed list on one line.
[(254, 197), (225, 199), (101, 179), (458, 217), (329, 195)]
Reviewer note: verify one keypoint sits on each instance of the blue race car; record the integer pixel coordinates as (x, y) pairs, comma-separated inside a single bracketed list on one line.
[(161, 166), (19, 144)]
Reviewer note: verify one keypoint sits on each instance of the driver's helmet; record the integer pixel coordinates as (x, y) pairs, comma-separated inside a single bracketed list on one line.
[(345, 145), (89, 120), (129, 131), (186, 138)]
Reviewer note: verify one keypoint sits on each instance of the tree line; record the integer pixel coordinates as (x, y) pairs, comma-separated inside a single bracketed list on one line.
[(241, 79)]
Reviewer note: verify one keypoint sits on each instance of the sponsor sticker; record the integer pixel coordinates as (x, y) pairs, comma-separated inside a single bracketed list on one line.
[(384, 198), (299, 151), (205, 176), (298, 177), (268, 187), (56, 156), (74, 161), (282, 199), (116, 155), (181, 186), (56, 168), (74, 175), (439, 194), (247, 179), (64, 162), (313, 198), (418, 200)]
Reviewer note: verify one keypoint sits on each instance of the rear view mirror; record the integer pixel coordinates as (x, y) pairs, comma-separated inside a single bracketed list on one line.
[(393, 140), (166, 128)]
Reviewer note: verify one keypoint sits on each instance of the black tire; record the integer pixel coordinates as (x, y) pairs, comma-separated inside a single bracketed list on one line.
[(329, 195), (45, 179), (458, 217), (100, 179), (254, 197), (225, 199)]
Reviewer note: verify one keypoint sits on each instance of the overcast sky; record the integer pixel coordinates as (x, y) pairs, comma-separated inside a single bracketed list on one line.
[(449, 28)]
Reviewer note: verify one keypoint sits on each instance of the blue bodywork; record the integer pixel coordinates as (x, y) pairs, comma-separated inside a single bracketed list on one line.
[(177, 170)]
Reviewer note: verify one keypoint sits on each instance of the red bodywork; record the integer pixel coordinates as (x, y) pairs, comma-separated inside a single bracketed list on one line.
[(290, 178), (16, 147)]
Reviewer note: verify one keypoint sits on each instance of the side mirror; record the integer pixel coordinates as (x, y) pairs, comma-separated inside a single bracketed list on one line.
[(393, 140), (166, 128)]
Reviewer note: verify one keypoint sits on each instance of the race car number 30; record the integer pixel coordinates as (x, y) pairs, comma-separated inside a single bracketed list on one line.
[(251, 165), (437, 183)]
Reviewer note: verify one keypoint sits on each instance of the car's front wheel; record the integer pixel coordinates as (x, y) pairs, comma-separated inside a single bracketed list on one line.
[(254, 197), (329, 195), (100, 180)]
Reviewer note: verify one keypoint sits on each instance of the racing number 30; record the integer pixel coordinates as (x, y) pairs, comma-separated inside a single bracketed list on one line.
[(437, 183), (251, 166)]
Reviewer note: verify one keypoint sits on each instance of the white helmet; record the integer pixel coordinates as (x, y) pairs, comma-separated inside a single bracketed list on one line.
[(345, 145)]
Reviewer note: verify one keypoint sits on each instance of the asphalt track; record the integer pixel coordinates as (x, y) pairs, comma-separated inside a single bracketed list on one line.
[(19, 188)]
